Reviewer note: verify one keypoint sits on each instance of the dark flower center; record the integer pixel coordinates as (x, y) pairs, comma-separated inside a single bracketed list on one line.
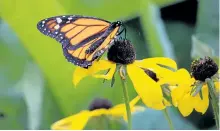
[(122, 52), (152, 74), (203, 68), (99, 103)]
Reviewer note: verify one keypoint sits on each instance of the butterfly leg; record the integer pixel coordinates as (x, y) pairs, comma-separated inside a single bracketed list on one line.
[(123, 30)]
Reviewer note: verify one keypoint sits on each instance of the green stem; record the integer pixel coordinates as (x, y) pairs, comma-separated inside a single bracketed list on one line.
[(165, 112), (214, 100), (126, 98)]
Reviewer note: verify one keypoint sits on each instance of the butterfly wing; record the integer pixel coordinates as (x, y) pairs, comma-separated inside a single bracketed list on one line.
[(72, 29), (83, 38), (85, 55)]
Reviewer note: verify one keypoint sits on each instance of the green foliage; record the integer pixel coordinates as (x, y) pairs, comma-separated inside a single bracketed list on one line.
[(13, 110), (11, 65), (50, 111), (60, 97), (206, 39), (155, 120)]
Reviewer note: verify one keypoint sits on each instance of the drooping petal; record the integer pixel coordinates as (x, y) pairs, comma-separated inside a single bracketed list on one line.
[(74, 122), (147, 63), (97, 66), (201, 105), (177, 94), (109, 75), (78, 74), (149, 91), (185, 105)]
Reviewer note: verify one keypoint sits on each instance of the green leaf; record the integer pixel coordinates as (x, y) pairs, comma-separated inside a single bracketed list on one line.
[(158, 42), (197, 89), (109, 10), (13, 110), (166, 93), (113, 81), (12, 57), (50, 111), (167, 67), (206, 40), (180, 35), (200, 94), (151, 119)]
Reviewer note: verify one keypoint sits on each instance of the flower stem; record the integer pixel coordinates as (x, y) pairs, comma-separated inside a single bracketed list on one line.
[(126, 98), (165, 112), (214, 101)]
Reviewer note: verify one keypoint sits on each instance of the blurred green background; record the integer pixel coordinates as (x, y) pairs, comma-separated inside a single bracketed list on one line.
[(36, 80)]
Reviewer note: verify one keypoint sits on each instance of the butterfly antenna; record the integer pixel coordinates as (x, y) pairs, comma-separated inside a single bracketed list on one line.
[(123, 30)]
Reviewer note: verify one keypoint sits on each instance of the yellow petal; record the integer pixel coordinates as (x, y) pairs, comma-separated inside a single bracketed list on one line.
[(185, 105), (135, 109), (149, 91), (120, 109), (158, 106), (74, 122), (147, 63), (79, 74), (117, 110), (101, 65), (201, 105), (99, 112), (97, 66), (181, 76), (109, 75), (178, 93), (165, 75), (134, 101)]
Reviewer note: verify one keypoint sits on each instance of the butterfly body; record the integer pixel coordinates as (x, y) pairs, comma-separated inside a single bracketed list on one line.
[(83, 39)]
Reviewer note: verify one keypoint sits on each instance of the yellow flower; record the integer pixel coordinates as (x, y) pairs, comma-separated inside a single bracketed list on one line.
[(148, 89), (184, 96), (79, 121)]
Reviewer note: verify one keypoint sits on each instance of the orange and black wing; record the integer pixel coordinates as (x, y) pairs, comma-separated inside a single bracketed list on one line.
[(83, 39)]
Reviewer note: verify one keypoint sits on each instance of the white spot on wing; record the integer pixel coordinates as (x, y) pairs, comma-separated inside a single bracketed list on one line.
[(70, 18), (43, 22), (57, 27), (58, 20)]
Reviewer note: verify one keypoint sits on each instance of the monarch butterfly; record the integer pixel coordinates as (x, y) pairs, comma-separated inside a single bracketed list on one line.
[(84, 39)]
